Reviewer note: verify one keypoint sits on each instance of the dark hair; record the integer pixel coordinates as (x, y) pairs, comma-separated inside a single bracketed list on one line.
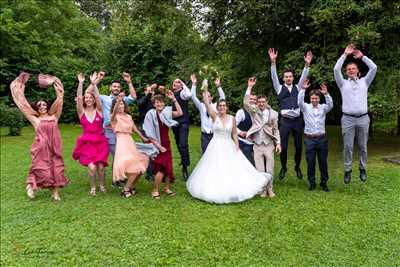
[(157, 97), (126, 107), (83, 99), (288, 70), (351, 62), (35, 107), (262, 96), (115, 81), (226, 103), (315, 92)]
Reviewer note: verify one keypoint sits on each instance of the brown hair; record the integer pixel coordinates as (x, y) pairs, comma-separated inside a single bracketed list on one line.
[(226, 103), (94, 99), (315, 92), (35, 107), (262, 96), (158, 97), (287, 70), (126, 107)]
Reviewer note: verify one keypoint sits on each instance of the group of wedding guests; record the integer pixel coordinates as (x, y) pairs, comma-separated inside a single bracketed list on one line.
[(237, 151)]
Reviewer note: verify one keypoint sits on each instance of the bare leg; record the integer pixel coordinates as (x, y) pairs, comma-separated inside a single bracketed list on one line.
[(56, 194), (167, 190), (127, 191), (101, 174), (92, 169), (157, 182)]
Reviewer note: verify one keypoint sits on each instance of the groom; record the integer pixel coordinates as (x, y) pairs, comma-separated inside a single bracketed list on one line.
[(264, 132)]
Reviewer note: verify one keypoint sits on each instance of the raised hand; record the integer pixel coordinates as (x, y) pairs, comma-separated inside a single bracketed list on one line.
[(193, 78), (273, 55), (127, 77), (100, 76), (217, 82), (323, 89), (153, 86), (204, 86), (349, 49), (81, 77), (120, 97), (251, 82), (306, 84), (308, 57), (170, 95), (357, 54), (58, 86), (93, 78)]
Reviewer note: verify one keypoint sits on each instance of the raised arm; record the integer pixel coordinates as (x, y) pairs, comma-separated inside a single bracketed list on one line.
[(246, 102), (178, 112), (56, 108), (185, 92), (337, 70), (195, 100), (372, 68), (206, 101), (95, 79), (127, 78), (114, 112), (307, 62), (273, 55), (221, 93), (79, 95), (17, 92), (328, 99), (300, 97)]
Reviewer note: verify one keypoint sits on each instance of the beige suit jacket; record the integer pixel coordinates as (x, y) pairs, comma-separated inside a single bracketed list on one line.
[(270, 127)]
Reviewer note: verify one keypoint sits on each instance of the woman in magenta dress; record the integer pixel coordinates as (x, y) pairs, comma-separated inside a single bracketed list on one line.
[(156, 126), (47, 169), (91, 148)]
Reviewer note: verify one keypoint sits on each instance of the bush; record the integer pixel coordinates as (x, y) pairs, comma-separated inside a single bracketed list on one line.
[(11, 117)]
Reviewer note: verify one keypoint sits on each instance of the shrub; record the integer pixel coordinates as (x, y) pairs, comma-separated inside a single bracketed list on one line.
[(12, 118)]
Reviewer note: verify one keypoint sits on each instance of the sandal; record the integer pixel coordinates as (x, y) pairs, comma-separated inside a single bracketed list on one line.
[(30, 192), (103, 189), (56, 197), (92, 191), (127, 193), (155, 195), (169, 192)]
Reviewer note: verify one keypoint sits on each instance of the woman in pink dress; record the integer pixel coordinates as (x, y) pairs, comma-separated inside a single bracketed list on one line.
[(156, 126), (47, 169), (91, 148), (129, 162)]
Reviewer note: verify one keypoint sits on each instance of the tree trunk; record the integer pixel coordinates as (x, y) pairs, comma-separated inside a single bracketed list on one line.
[(398, 123)]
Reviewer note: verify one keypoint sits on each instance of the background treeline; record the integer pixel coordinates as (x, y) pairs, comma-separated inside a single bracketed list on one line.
[(157, 41)]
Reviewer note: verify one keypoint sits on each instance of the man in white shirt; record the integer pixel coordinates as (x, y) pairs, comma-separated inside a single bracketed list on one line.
[(355, 119), (315, 138), (205, 119)]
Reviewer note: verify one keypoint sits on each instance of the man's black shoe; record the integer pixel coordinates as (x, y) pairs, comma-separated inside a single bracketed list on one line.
[(312, 187), (325, 187), (347, 177), (282, 174), (299, 173), (363, 175), (185, 173)]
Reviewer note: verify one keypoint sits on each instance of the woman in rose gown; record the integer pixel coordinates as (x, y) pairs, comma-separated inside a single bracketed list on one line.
[(47, 169), (129, 161), (156, 126), (91, 148), (223, 174)]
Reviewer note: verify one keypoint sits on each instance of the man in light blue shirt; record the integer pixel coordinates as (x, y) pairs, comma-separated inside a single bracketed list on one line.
[(315, 138), (205, 119), (355, 119)]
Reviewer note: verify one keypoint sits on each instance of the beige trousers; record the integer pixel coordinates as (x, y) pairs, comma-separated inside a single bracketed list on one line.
[(264, 159)]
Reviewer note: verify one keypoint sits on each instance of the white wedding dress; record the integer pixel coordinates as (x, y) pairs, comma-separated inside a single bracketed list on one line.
[(223, 174)]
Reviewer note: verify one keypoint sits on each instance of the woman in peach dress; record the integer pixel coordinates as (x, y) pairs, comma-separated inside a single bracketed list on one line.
[(129, 162), (47, 169)]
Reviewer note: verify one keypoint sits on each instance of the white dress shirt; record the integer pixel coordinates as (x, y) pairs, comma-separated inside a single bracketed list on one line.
[(205, 120), (314, 118)]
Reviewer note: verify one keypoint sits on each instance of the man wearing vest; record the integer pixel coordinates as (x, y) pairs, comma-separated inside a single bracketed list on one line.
[(181, 131), (205, 119), (290, 120), (243, 124), (355, 119), (264, 133)]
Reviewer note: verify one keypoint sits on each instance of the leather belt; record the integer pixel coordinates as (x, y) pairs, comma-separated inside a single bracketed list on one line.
[(314, 136), (355, 116)]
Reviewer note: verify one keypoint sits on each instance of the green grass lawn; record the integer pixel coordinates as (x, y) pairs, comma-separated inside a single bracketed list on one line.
[(352, 225)]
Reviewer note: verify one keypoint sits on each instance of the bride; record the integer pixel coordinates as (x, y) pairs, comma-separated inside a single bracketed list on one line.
[(223, 174)]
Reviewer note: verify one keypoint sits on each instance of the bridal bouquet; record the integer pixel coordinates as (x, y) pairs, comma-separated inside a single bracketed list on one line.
[(207, 72)]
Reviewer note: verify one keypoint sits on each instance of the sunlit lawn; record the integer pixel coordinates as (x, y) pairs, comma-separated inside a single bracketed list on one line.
[(352, 225)]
